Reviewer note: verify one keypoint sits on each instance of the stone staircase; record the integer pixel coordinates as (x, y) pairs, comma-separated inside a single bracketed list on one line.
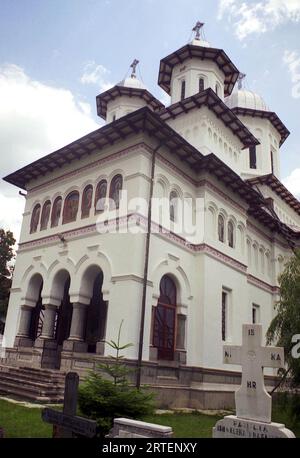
[(34, 385)]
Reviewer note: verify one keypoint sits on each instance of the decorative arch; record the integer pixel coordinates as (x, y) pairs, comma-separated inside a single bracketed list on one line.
[(231, 233), (115, 189), (100, 196), (173, 205), (56, 211), (86, 203), (45, 215), (35, 218), (71, 207), (221, 227)]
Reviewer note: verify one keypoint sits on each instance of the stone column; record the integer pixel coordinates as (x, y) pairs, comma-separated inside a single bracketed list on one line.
[(78, 321), (25, 319), (49, 322)]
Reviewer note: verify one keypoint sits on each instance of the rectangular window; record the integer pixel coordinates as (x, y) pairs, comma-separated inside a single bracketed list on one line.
[(224, 314), (252, 157), (182, 95), (255, 314)]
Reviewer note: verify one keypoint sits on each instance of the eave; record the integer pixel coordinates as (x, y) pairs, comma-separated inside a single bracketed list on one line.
[(189, 51), (270, 115), (211, 100)]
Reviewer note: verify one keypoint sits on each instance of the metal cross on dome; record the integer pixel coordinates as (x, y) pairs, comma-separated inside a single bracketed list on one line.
[(133, 66), (241, 77), (197, 29)]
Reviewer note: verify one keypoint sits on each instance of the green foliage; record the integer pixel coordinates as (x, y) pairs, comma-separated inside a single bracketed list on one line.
[(6, 254), (103, 400), (287, 321)]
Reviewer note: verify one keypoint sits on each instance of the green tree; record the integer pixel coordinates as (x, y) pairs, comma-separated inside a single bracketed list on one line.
[(7, 242), (104, 399), (286, 323)]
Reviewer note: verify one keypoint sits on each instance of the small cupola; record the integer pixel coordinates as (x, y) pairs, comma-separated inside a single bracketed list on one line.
[(125, 97), (196, 67)]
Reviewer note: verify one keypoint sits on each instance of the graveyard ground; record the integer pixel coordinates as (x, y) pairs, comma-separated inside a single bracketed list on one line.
[(20, 421)]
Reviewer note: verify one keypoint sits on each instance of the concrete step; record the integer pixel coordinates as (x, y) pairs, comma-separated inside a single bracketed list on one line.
[(32, 384)]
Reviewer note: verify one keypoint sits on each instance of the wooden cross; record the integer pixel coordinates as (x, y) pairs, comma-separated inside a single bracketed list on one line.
[(197, 29), (251, 399), (66, 423), (133, 66)]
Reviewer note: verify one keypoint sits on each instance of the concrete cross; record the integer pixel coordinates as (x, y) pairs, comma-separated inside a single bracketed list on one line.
[(133, 66), (251, 399), (197, 29)]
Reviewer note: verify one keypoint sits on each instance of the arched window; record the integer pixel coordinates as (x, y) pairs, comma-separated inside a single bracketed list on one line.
[(100, 196), (201, 84), (115, 189), (164, 323), (45, 215), (230, 234), (86, 203), (221, 228), (56, 211), (173, 205), (71, 207), (35, 218), (217, 89), (182, 93)]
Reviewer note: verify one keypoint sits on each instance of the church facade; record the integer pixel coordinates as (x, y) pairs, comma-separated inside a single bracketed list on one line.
[(221, 226)]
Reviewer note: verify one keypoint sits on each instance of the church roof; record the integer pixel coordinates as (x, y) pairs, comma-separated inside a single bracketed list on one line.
[(202, 52), (210, 99), (246, 99), (279, 188), (142, 120), (131, 91), (270, 115)]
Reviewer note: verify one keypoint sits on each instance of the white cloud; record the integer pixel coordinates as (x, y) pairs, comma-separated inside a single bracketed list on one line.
[(292, 60), (11, 213), (258, 17), (96, 74), (35, 119), (292, 182)]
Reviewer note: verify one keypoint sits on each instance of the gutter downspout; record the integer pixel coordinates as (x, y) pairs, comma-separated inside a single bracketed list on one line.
[(146, 266)]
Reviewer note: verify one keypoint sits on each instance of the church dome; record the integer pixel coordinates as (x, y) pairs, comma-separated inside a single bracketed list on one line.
[(246, 99), (132, 82)]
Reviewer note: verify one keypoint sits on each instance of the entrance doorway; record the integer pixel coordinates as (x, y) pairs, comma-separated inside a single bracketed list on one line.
[(96, 314)]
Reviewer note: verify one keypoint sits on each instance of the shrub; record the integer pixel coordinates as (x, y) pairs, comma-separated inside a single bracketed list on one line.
[(103, 400)]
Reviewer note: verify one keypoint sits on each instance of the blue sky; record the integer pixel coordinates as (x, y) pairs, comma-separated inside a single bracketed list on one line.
[(62, 53)]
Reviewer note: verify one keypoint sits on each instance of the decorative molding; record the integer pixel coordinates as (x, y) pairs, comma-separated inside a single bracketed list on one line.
[(262, 284), (92, 165)]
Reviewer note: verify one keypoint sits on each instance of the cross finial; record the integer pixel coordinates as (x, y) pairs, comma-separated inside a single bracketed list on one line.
[(197, 29), (241, 77), (133, 66)]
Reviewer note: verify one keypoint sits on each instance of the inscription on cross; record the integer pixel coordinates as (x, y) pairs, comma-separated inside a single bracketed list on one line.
[(251, 399)]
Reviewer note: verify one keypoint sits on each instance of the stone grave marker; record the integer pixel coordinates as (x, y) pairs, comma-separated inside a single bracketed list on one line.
[(66, 423), (253, 403), (127, 428)]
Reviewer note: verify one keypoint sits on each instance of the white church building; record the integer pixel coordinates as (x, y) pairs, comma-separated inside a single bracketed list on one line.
[(221, 225)]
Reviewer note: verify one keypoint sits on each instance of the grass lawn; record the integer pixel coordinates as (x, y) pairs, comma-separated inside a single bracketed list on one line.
[(186, 424), (19, 421)]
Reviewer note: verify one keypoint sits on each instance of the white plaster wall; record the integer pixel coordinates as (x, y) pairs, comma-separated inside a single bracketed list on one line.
[(122, 106), (191, 71)]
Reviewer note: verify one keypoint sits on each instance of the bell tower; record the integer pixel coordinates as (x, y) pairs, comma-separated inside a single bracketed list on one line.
[(196, 67)]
